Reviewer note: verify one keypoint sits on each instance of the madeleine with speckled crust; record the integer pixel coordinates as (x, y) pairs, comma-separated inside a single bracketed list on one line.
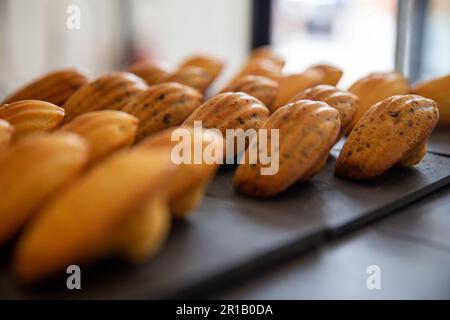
[(115, 208), (262, 88), (266, 52), (210, 64), (106, 131), (376, 87), (55, 87), (343, 101), (151, 73), (392, 132), (195, 77), (112, 91), (33, 170), (307, 131), (331, 74), (437, 89), (187, 187), (230, 110), (6, 132), (163, 106), (31, 116), (290, 85)]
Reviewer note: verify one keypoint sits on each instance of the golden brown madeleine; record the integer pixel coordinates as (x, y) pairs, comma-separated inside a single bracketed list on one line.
[(210, 64), (262, 88), (55, 87), (343, 101), (291, 85), (194, 77), (112, 91), (307, 132), (230, 110), (391, 132), (437, 89), (30, 116), (267, 53), (331, 74), (92, 217), (151, 73), (6, 132), (191, 178), (33, 169), (162, 106), (259, 66), (106, 131), (376, 87)]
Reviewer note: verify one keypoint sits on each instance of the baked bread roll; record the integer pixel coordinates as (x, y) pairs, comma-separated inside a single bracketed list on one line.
[(376, 87), (106, 131), (210, 64), (31, 116), (33, 170), (55, 87), (151, 73), (162, 106), (262, 88), (307, 132), (188, 185), (330, 74), (437, 89), (392, 132), (112, 91), (343, 101), (290, 85), (6, 132), (107, 211)]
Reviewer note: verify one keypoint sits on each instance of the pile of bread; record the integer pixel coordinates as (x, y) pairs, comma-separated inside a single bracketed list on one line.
[(85, 167)]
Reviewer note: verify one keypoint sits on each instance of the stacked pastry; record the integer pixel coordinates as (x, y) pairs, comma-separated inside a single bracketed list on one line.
[(87, 166)]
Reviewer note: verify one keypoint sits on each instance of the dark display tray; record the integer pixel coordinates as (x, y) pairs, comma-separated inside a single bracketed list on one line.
[(231, 237)]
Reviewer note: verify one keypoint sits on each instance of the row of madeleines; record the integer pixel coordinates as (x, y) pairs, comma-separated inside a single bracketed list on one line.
[(85, 168)]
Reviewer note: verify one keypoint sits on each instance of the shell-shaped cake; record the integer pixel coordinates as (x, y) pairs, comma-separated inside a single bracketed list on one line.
[(162, 106), (307, 130), (35, 169), (262, 88), (343, 101), (55, 87), (376, 87), (31, 116), (106, 131), (151, 73), (392, 132), (437, 89), (112, 91)]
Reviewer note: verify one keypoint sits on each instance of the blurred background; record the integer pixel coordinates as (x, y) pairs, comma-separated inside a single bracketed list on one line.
[(359, 36)]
